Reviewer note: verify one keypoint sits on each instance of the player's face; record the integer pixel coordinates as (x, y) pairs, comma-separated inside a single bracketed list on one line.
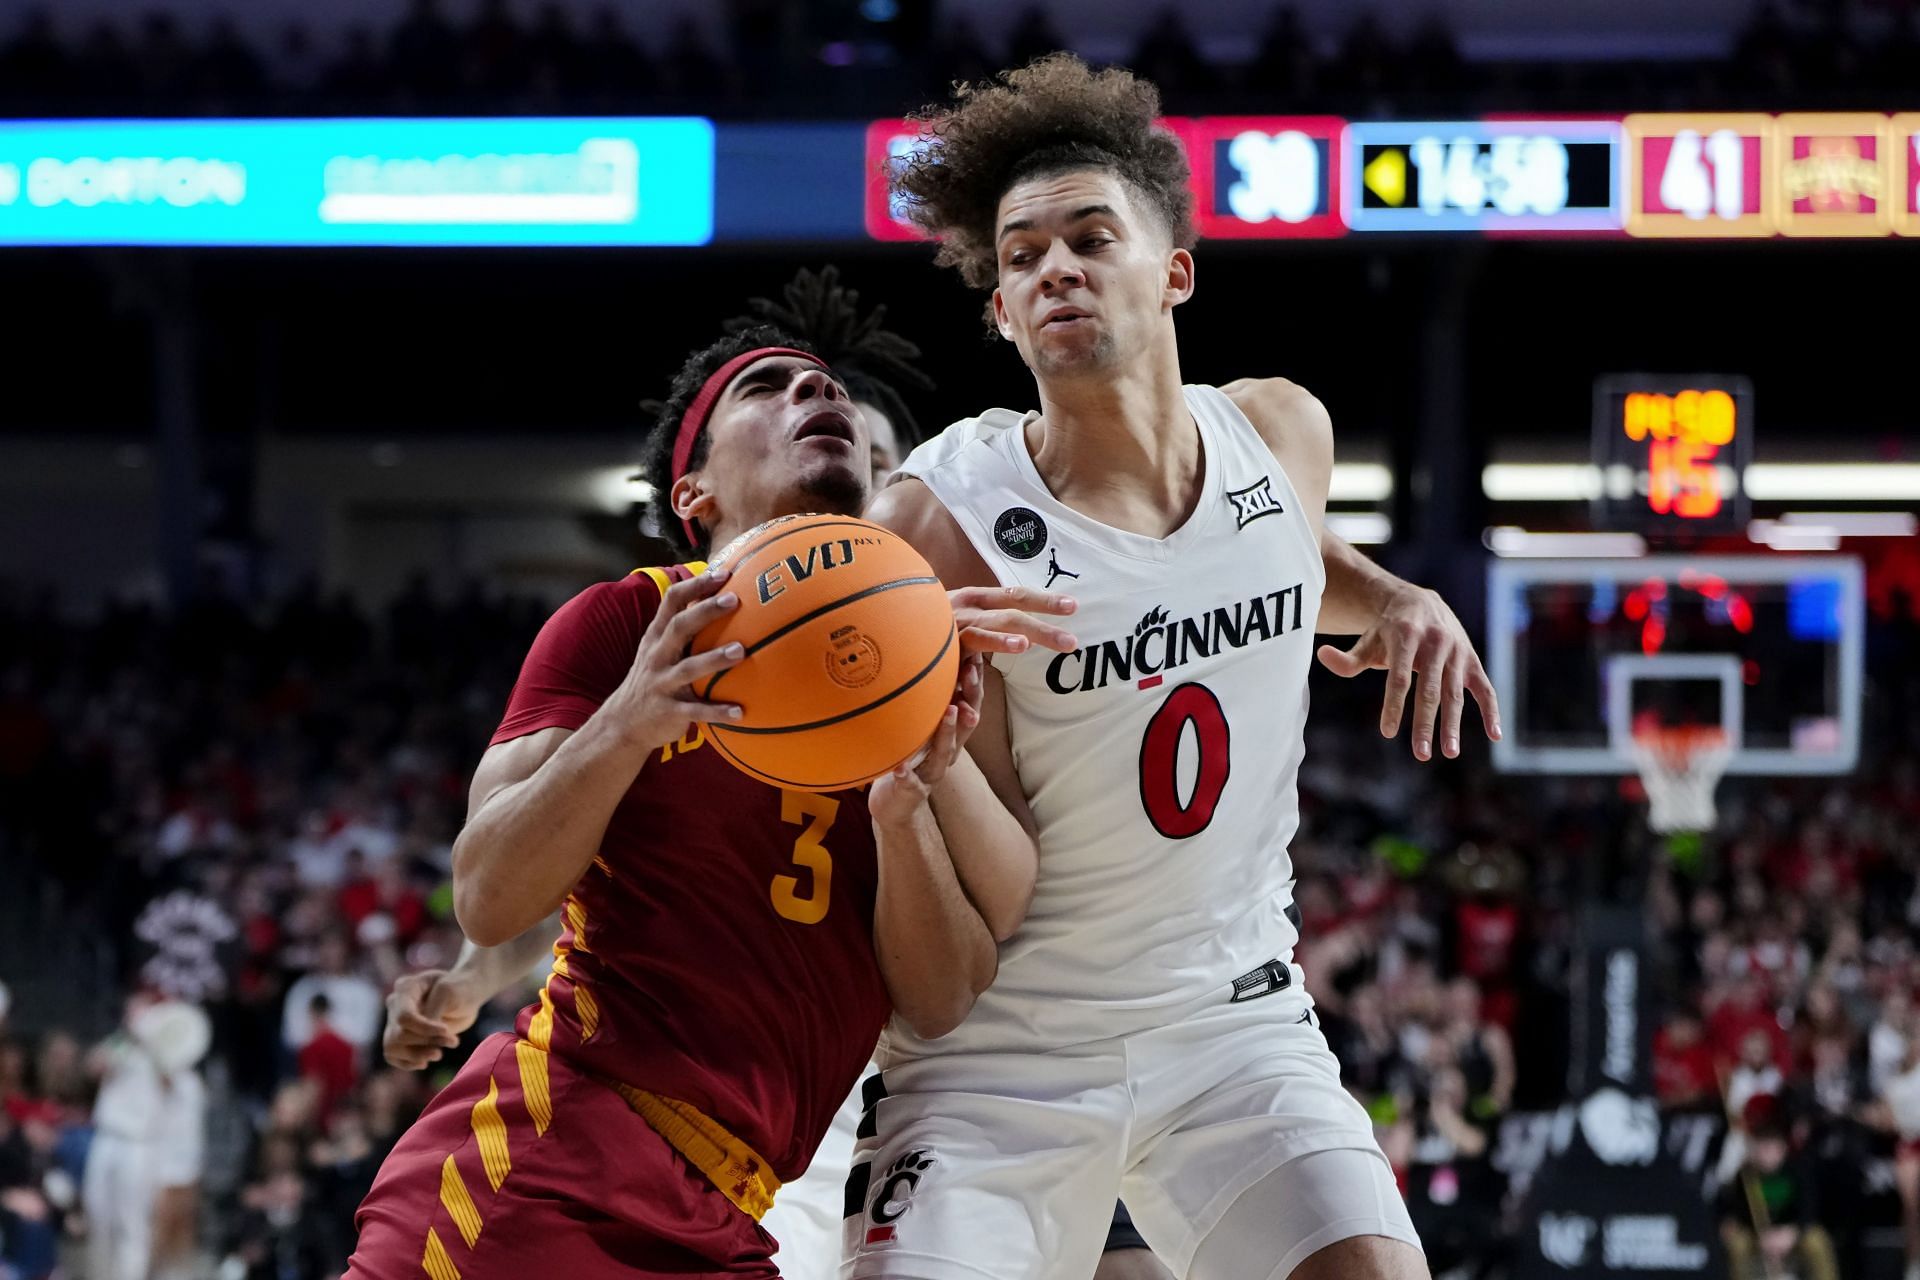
[(1087, 276), (784, 439)]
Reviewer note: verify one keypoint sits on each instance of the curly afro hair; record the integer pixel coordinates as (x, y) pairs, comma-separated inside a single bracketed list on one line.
[(1052, 116), (872, 360), (656, 464)]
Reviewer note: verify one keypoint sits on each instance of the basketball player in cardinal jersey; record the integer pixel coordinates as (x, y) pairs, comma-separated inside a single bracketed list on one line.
[(729, 950), (1147, 1033)]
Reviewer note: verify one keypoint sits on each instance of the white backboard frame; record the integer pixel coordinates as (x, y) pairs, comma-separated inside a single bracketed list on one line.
[(1506, 577)]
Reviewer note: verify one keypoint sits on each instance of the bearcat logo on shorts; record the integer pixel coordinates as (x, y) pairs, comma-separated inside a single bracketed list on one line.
[(896, 1193), (1159, 644), (833, 554), (1021, 533)]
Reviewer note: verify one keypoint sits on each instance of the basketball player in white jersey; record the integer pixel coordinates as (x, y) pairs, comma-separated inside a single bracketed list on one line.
[(1147, 1034)]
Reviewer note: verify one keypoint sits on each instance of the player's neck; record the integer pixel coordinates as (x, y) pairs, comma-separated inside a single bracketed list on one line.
[(719, 538), (1124, 440)]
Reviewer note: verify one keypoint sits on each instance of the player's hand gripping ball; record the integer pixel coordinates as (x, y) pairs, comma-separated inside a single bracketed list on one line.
[(851, 654)]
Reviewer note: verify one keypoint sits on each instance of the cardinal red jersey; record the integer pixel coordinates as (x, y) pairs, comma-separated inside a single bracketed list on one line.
[(719, 951)]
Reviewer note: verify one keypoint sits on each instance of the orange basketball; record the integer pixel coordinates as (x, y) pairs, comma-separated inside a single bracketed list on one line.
[(851, 653)]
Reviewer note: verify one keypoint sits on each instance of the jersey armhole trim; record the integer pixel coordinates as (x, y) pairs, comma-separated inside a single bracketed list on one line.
[(1240, 420)]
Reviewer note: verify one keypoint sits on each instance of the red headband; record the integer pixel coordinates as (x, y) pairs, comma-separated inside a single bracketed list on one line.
[(695, 418)]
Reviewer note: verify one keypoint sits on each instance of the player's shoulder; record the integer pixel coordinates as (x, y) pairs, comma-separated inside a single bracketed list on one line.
[(909, 506), (656, 580), (1286, 414), (911, 509), (951, 445), (632, 597)]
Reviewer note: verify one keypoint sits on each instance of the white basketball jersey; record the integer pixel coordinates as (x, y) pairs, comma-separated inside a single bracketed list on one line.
[(1160, 759)]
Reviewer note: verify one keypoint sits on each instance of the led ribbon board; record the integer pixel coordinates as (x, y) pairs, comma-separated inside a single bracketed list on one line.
[(1517, 176), (358, 182)]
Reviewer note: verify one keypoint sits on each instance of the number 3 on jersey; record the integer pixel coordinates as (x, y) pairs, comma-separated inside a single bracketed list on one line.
[(817, 812), (1160, 762)]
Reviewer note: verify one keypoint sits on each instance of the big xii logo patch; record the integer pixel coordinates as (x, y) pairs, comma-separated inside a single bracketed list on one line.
[(1254, 501), (1020, 533)]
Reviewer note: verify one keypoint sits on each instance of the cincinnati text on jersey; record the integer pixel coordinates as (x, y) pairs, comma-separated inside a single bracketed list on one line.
[(1158, 645)]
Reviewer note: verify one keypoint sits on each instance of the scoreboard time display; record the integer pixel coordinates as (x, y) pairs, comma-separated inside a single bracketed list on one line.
[(1508, 175), (1672, 452)]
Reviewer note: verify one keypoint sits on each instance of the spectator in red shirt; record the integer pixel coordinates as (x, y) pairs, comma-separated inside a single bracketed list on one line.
[(1743, 1008), (359, 894), (328, 1059), (1683, 1074)]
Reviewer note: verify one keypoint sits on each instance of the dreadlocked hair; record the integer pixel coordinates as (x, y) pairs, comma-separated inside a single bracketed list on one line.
[(873, 361), (1052, 116), (656, 463)]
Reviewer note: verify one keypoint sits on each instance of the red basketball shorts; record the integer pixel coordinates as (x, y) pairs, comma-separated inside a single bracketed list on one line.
[(523, 1166)]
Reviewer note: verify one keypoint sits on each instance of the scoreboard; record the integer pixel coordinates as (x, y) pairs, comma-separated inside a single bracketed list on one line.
[(1699, 175), (1672, 452)]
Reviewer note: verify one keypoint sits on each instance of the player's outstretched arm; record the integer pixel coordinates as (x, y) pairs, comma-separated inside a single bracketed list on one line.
[(427, 1010), (539, 805), (935, 951), (1403, 630)]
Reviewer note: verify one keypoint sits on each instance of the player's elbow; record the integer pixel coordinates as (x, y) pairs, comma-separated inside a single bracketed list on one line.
[(1006, 910), (1008, 916), (482, 925), (933, 1009), (478, 906), (935, 1018)]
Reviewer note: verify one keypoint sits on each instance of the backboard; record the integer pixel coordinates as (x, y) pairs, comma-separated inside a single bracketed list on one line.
[(1768, 648)]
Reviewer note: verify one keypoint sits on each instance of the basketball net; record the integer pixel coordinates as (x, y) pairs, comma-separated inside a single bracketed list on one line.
[(1680, 769)]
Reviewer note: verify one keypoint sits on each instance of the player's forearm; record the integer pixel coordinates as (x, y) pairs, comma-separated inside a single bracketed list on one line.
[(487, 971), (530, 843), (1357, 591), (993, 854), (935, 952)]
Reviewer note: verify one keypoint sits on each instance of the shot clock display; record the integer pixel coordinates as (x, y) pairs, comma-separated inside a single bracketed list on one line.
[(1672, 452)]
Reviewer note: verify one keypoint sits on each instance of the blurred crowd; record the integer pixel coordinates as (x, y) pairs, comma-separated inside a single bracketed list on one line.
[(249, 813), (246, 809), (839, 57)]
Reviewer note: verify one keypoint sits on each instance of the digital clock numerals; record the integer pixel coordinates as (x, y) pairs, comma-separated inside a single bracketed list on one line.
[(1514, 175), (1683, 433)]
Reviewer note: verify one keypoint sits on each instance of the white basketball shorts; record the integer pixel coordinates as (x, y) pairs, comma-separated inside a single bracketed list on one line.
[(1006, 1166)]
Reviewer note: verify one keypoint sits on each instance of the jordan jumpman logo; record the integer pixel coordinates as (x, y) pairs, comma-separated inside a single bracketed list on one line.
[(1055, 571)]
